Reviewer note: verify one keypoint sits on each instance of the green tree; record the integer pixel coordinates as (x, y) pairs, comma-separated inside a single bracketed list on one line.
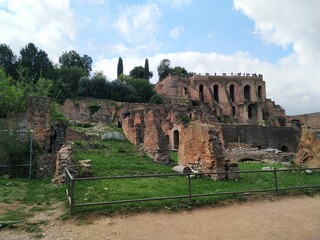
[(137, 72), (147, 73), (120, 90), (119, 68), (84, 87), (14, 94), (67, 82), (8, 60), (98, 86), (143, 90), (73, 59), (179, 71), (164, 69), (36, 61)]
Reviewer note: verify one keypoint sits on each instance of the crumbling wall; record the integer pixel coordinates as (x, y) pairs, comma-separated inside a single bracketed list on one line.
[(309, 148), (156, 142), (38, 119), (202, 149), (80, 110), (262, 137), (311, 120)]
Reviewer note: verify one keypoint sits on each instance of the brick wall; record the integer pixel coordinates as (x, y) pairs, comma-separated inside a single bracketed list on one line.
[(264, 137)]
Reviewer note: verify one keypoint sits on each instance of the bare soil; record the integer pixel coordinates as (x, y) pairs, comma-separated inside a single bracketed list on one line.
[(280, 218)]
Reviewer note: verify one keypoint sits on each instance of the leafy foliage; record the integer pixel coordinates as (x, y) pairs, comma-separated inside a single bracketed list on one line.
[(14, 94), (73, 59), (156, 98), (8, 60), (164, 69), (35, 61), (137, 72)]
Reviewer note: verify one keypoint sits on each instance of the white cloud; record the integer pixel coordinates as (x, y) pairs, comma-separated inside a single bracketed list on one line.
[(176, 32), (178, 4), (48, 24), (293, 81), (138, 23)]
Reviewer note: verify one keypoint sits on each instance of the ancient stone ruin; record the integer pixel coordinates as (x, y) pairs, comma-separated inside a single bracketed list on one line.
[(201, 149)]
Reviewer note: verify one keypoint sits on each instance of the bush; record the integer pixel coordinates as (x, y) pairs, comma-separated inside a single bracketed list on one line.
[(156, 99), (93, 107)]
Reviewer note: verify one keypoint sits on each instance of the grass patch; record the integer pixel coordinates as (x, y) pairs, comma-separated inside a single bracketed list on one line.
[(22, 193), (117, 158)]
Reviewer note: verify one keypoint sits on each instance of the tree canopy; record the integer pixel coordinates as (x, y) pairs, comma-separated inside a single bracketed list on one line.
[(164, 69)]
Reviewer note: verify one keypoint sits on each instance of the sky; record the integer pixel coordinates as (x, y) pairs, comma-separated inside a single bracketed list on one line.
[(279, 39)]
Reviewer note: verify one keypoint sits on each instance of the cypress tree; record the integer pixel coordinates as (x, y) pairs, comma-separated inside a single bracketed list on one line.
[(120, 68), (146, 69)]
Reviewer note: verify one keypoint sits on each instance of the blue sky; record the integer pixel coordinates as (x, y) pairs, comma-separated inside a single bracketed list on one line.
[(279, 39)]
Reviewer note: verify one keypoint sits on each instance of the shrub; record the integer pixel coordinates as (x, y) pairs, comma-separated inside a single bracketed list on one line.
[(157, 99)]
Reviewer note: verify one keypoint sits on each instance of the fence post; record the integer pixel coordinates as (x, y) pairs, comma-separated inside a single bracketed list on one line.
[(30, 154), (189, 188), (71, 196), (70, 190), (276, 180)]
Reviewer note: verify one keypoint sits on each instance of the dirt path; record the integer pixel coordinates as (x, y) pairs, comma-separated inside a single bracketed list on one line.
[(291, 218)]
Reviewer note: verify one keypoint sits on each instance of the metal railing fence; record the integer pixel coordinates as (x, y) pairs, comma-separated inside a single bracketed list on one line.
[(71, 181)]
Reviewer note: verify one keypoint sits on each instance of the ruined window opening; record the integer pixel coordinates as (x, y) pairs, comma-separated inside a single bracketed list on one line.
[(185, 91), (247, 93), (284, 149), (233, 111), (216, 93), (201, 96), (231, 91), (251, 111), (259, 92), (176, 139)]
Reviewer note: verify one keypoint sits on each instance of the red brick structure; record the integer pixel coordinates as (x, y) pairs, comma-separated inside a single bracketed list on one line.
[(240, 96), (202, 149)]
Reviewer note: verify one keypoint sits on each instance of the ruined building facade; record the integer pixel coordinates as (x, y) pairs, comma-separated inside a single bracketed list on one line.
[(241, 97)]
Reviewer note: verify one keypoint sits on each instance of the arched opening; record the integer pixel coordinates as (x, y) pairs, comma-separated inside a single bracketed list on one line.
[(252, 111), (247, 93), (231, 91), (233, 111), (176, 139), (216, 93), (284, 149), (201, 96), (259, 92)]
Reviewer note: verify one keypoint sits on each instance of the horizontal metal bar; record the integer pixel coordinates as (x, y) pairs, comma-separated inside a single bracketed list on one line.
[(300, 187), (130, 200), (232, 193), (192, 174)]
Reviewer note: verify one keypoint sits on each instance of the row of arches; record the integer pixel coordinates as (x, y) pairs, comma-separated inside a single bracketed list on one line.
[(246, 93)]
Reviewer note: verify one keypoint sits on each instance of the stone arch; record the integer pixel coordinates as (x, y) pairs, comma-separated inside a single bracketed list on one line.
[(216, 92), (259, 92), (247, 92), (284, 148), (201, 94), (176, 139), (231, 92)]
